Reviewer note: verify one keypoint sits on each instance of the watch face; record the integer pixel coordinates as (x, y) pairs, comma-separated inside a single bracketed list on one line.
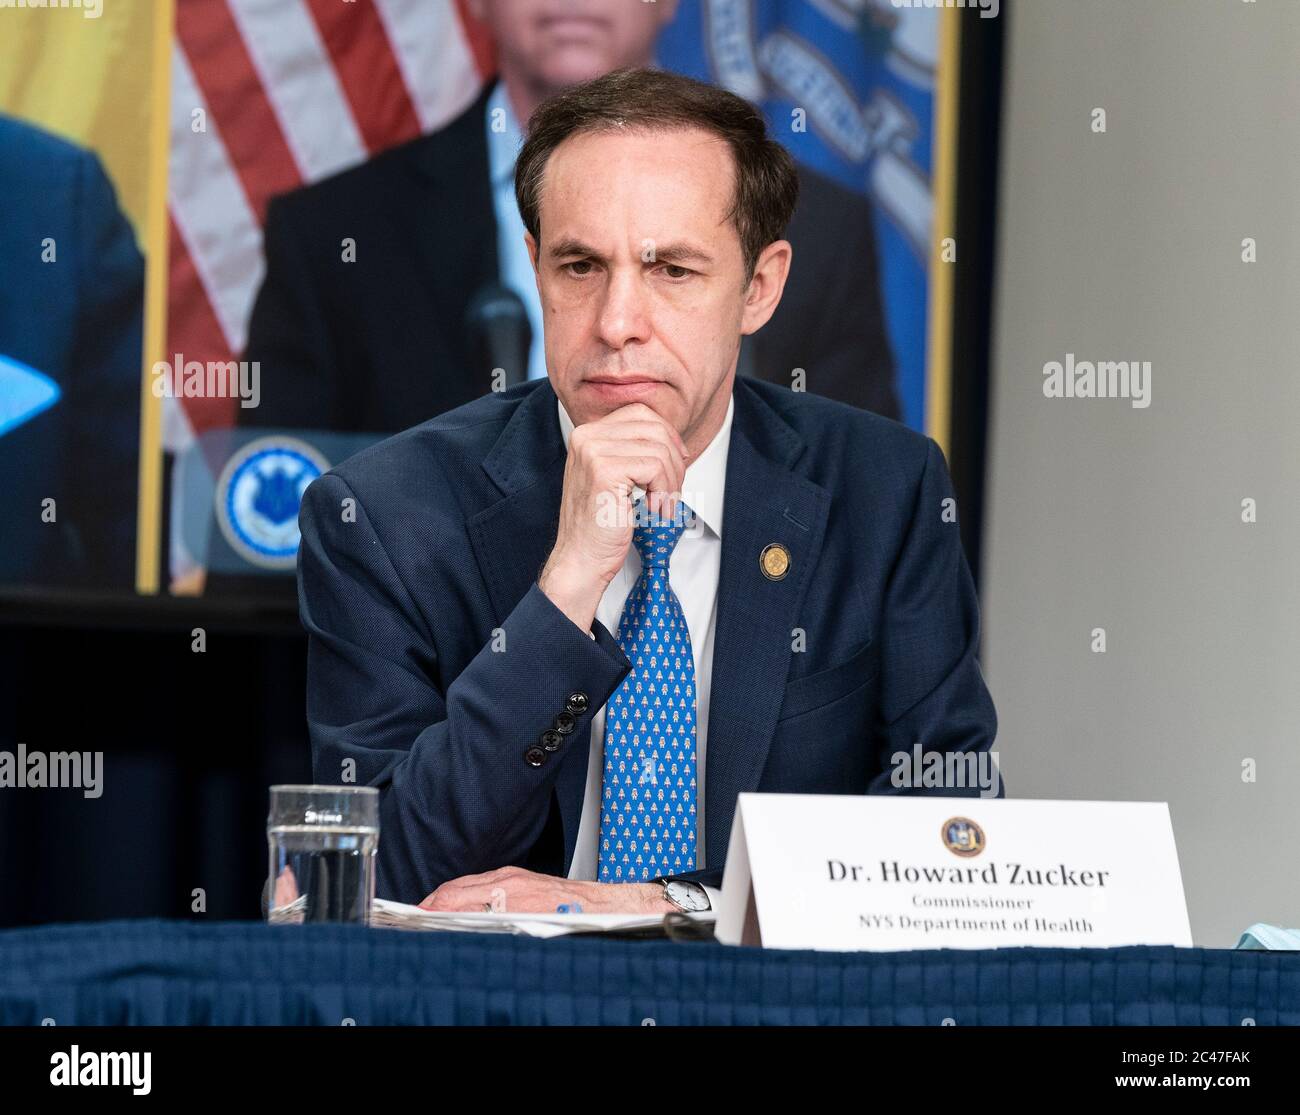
[(690, 896)]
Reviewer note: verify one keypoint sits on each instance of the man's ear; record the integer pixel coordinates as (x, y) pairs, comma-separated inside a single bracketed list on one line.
[(764, 290)]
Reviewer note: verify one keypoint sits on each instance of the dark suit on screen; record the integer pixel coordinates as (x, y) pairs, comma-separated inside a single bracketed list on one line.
[(381, 343), (71, 308)]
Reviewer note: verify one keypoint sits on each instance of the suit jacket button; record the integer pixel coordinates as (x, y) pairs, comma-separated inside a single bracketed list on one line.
[(534, 756), (551, 740), (565, 722), (577, 703)]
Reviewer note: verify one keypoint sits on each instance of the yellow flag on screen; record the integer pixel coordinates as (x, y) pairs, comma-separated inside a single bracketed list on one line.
[(90, 79)]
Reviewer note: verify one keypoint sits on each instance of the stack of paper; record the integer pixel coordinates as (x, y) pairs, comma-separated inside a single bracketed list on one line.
[(398, 915)]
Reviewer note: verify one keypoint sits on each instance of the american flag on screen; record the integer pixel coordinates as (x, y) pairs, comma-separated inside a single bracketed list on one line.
[(269, 95)]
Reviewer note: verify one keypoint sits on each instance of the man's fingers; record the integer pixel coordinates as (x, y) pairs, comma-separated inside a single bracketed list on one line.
[(632, 445), (623, 467), (463, 894), (542, 894), (650, 464), (481, 878), (477, 899), (286, 887), (642, 412), (522, 898), (632, 434), (652, 474), (639, 433)]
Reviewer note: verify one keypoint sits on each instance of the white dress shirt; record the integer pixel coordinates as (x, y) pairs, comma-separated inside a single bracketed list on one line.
[(693, 576)]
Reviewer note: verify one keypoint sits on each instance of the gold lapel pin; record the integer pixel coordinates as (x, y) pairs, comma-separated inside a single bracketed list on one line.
[(774, 561)]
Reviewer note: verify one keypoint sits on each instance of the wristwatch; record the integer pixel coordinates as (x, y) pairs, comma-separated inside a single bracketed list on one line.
[(691, 897)]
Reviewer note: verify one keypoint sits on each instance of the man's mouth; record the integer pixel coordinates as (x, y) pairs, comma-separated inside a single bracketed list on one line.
[(623, 388), (571, 26)]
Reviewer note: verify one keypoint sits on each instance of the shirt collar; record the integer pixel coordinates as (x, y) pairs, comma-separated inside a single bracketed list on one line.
[(503, 146), (704, 488)]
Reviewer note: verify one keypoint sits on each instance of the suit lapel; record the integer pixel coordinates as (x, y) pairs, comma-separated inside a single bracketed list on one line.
[(513, 538), (765, 502)]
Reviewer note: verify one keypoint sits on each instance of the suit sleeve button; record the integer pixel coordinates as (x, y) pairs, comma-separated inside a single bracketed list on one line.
[(565, 722), (534, 756), (577, 703), (551, 740)]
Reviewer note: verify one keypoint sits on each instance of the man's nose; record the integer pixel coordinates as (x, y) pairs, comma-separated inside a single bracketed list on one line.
[(624, 312)]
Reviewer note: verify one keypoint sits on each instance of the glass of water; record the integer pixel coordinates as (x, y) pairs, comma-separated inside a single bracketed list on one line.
[(322, 841)]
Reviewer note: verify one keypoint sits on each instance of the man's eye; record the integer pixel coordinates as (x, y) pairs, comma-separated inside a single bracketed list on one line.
[(674, 271), (579, 267)]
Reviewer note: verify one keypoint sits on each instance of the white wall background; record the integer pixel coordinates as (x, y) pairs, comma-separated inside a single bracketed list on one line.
[(1121, 246)]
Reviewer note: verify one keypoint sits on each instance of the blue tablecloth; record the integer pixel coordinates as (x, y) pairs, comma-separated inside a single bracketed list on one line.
[(163, 973)]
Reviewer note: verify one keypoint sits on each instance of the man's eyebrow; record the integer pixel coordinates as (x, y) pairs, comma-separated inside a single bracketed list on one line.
[(663, 253), (681, 253), (571, 247)]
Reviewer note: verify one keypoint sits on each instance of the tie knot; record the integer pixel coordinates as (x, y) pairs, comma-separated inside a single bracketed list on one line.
[(656, 538)]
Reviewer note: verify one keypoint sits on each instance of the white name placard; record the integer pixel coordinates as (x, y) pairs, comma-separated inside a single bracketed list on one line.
[(878, 872)]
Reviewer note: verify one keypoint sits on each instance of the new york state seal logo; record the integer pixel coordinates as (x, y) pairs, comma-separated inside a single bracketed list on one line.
[(258, 495), (962, 836)]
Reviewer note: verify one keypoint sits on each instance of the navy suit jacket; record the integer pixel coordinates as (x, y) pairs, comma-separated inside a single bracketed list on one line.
[(78, 320), (436, 662)]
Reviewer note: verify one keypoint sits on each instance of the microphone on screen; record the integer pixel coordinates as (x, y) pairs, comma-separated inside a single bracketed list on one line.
[(500, 335)]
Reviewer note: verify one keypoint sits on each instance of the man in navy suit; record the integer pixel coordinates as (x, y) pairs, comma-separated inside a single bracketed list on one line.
[(71, 317), (460, 581), (434, 224)]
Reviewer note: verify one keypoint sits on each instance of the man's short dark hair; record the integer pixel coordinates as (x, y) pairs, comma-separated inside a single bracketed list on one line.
[(767, 185)]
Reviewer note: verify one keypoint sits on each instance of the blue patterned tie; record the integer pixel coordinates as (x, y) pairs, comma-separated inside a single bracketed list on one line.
[(647, 812)]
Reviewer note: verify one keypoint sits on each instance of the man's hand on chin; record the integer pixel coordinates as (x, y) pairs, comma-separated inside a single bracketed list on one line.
[(513, 890)]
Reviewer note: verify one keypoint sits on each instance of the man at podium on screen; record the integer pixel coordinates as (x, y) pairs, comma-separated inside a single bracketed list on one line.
[(563, 626)]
